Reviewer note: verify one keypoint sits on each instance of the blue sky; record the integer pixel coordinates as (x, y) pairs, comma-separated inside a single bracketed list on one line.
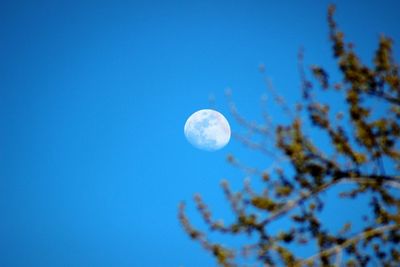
[(93, 99)]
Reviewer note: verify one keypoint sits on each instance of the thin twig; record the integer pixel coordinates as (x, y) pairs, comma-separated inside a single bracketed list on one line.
[(355, 239), (338, 258), (294, 203)]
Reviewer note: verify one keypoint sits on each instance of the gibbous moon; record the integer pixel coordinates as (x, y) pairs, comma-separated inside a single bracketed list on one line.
[(207, 129)]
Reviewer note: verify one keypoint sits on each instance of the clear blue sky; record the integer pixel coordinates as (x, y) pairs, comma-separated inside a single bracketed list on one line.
[(93, 99)]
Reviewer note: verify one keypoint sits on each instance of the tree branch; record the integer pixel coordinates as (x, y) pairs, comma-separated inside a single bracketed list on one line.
[(338, 248), (389, 180)]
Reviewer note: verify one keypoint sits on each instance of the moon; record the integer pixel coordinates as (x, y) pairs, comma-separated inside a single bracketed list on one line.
[(207, 129)]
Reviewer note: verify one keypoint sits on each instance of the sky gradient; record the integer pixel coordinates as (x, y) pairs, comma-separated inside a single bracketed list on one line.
[(93, 99)]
